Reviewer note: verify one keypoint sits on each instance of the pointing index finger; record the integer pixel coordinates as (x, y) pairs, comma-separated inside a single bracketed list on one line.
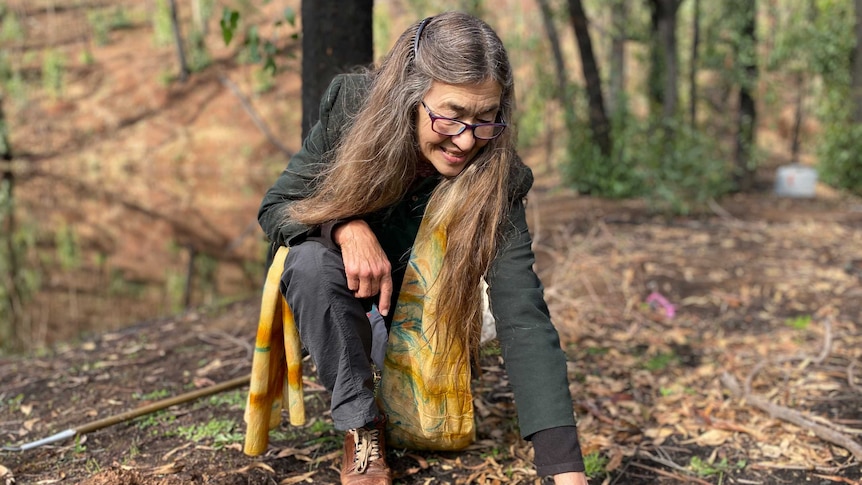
[(385, 295)]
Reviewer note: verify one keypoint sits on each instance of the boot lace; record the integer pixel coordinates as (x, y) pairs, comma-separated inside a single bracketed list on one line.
[(367, 447)]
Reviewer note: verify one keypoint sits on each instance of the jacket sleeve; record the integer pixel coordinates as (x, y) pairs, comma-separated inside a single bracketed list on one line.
[(299, 179), (534, 360)]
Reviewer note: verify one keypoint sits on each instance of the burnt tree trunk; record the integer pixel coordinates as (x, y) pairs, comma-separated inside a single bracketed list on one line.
[(616, 96), (747, 114), (178, 41), (796, 135), (556, 51), (336, 38), (692, 76), (12, 295), (664, 70), (562, 91), (856, 70), (599, 123)]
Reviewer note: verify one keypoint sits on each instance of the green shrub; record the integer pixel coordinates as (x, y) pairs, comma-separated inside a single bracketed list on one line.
[(682, 169), (199, 58), (677, 169), (53, 72), (163, 30), (840, 155), (11, 28), (840, 148), (99, 25), (588, 171)]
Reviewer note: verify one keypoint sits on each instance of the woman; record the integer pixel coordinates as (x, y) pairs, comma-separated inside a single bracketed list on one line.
[(423, 139)]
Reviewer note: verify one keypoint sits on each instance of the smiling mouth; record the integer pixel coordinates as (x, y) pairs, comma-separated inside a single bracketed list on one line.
[(452, 156)]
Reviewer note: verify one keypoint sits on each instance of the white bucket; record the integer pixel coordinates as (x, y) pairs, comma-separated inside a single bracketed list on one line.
[(795, 181)]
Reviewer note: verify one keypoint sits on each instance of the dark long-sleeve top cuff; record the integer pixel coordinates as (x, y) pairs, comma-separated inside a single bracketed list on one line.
[(557, 450)]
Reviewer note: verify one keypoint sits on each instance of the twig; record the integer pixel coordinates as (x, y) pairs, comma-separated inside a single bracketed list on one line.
[(592, 292), (261, 125), (834, 478), (827, 342), (627, 465), (672, 475), (824, 353), (214, 337), (794, 417), (720, 211), (664, 459), (851, 379)]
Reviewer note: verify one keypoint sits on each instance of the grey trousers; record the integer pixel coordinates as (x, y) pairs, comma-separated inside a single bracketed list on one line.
[(334, 328)]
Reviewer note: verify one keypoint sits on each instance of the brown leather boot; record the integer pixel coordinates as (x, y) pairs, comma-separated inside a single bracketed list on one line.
[(364, 461)]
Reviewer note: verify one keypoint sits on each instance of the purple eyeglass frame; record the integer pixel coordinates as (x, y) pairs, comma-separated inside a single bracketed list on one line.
[(464, 125)]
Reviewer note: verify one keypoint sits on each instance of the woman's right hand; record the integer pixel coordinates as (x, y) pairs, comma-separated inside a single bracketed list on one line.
[(366, 266)]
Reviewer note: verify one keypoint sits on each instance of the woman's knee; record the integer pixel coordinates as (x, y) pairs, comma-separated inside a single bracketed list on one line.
[(311, 267)]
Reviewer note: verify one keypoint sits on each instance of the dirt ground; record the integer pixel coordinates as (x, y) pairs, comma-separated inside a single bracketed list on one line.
[(653, 313), (660, 317)]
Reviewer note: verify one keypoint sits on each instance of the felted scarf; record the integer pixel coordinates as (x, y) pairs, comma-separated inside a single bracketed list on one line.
[(425, 386)]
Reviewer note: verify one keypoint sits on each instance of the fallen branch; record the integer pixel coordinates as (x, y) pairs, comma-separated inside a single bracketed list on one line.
[(794, 417), (129, 415)]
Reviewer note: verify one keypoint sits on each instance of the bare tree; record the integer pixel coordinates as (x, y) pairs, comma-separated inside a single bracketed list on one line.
[(664, 71), (692, 76), (556, 50), (178, 40), (8, 326), (747, 113), (856, 70), (801, 89), (618, 56), (599, 123), (336, 37)]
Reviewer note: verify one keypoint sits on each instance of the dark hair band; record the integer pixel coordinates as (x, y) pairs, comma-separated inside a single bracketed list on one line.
[(418, 34)]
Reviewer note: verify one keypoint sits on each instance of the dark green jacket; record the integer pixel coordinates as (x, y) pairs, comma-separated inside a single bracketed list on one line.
[(531, 348)]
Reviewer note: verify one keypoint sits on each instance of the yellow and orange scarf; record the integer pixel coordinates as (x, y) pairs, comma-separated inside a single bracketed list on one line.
[(425, 386)]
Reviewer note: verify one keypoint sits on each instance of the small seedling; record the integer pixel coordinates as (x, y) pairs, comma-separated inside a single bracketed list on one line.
[(801, 322), (661, 361), (79, 445), (152, 396), (220, 431), (704, 469), (233, 400), (595, 464)]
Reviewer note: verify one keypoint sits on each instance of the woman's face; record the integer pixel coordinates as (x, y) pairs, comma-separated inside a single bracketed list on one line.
[(470, 103)]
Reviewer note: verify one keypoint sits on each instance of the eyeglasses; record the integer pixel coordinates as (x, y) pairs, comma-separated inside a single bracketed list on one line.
[(452, 127)]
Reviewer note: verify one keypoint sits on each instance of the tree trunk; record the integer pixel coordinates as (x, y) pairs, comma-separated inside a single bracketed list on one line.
[(856, 72), (556, 51), (336, 37), (747, 117), (692, 77), (562, 92), (795, 138), (618, 57), (178, 40), (9, 326), (598, 116), (664, 72)]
